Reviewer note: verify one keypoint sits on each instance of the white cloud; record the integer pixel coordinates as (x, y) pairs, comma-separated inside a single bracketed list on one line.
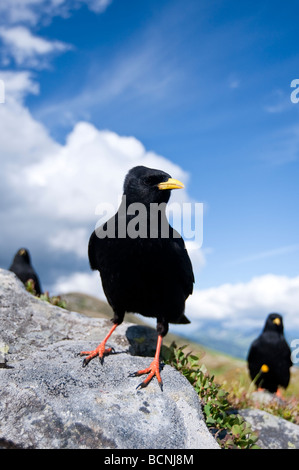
[(23, 140), (26, 48), (73, 240), (18, 84), (236, 306), (15, 11), (98, 6), (52, 190), (85, 283), (33, 11), (89, 169)]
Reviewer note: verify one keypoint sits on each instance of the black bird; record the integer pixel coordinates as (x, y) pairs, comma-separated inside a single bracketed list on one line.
[(269, 357), (22, 267), (142, 260)]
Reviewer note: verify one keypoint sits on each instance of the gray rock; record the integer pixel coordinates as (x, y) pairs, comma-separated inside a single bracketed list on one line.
[(265, 397), (274, 432), (47, 400)]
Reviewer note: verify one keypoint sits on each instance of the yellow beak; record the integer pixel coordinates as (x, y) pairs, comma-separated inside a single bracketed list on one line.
[(171, 183), (276, 321), (265, 368)]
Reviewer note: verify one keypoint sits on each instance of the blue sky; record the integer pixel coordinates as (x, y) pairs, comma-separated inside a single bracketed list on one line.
[(207, 85), (204, 86)]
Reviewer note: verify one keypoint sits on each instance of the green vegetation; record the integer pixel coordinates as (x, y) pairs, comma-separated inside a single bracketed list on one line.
[(54, 300), (230, 429)]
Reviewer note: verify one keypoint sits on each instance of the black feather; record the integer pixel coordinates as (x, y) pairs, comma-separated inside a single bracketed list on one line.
[(271, 349), (23, 269), (153, 275)]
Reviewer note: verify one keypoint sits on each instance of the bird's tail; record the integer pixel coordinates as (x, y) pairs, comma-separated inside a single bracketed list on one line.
[(183, 320)]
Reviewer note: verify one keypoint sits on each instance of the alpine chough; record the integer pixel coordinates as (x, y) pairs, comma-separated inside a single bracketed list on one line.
[(143, 263), (22, 267), (269, 357)]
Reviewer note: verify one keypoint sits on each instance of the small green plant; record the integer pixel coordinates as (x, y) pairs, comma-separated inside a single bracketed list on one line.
[(242, 397), (54, 300), (30, 287), (230, 429)]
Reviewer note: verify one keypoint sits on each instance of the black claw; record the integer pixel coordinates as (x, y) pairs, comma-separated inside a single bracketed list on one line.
[(101, 360), (133, 374), (141, 385), (85, 362)]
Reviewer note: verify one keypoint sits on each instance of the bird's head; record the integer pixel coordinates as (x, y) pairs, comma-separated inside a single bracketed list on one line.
[(147, 185), (23, 255), (274, 323)]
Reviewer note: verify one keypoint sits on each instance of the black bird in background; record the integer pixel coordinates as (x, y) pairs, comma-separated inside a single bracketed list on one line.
[(269, 357), (149, 273), (22, 267)]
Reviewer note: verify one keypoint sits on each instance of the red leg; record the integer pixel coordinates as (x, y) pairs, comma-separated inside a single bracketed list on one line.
[(100, 351), (153, 369), (279, 394)]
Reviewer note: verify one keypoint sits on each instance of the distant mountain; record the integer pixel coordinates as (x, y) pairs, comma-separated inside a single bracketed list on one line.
[(230, 341), (94, 307)]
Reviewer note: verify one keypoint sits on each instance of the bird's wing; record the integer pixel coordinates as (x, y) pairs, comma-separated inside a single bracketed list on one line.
[(185, 266), (253, 359), (286, 353), (95, 251), (175, 247)]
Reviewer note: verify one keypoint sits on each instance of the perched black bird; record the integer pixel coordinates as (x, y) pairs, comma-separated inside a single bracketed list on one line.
[(269, 357), (142, 260), (22, 267)]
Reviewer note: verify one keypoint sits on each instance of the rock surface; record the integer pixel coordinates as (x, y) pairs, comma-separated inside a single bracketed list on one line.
[(274, 432), (47, 400)]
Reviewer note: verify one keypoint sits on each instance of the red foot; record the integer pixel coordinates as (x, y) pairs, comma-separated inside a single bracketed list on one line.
[(279, 394), (100, 351), (152, 370)]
